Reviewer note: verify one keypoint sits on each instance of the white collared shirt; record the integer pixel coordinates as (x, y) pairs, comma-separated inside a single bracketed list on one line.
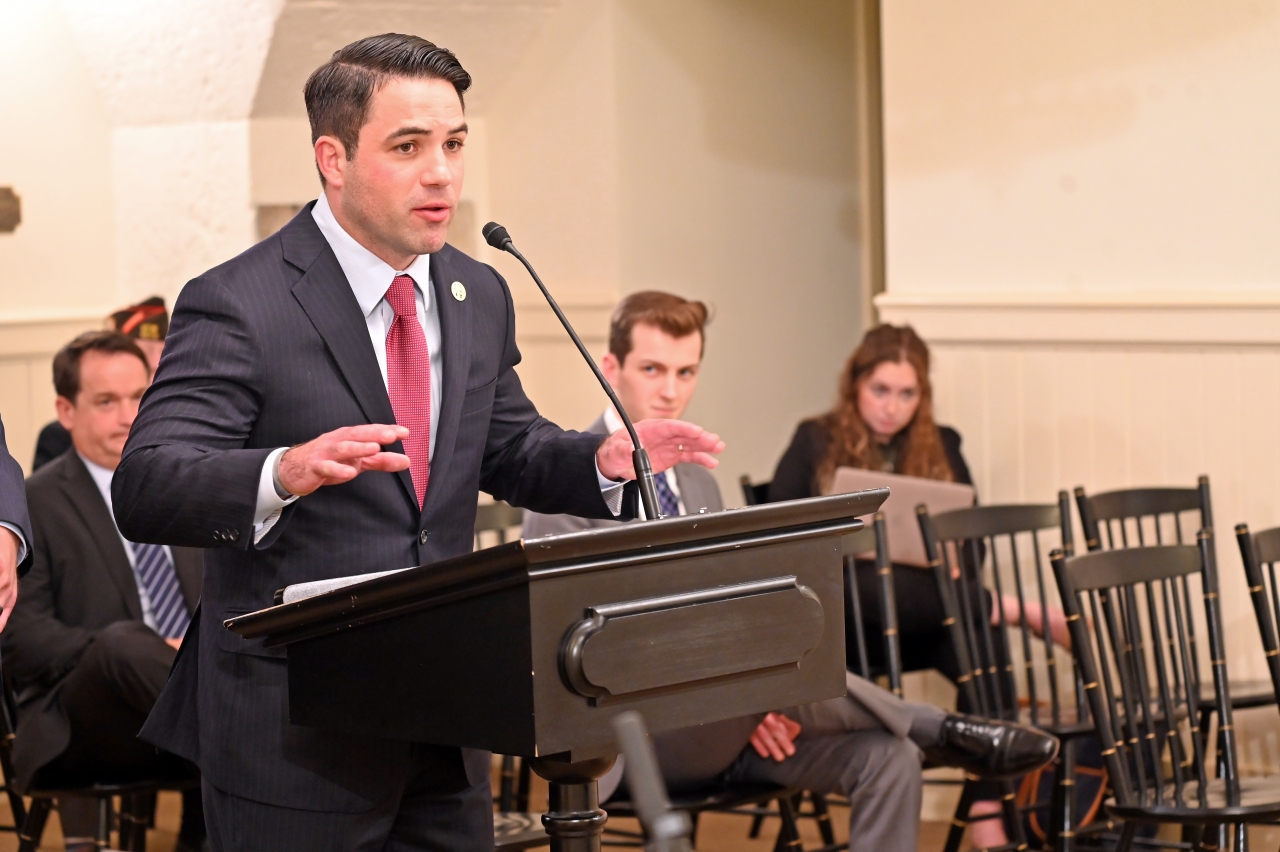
[(370, 277), (102, 478), (612, 422)]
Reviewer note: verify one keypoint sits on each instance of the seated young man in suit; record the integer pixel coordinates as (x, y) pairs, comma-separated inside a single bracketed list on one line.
[(868, 745), (99, 619)]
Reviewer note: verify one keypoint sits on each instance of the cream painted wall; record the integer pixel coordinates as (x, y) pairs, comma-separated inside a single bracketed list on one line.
[(55, 151), (1082, 146), (738, 187)]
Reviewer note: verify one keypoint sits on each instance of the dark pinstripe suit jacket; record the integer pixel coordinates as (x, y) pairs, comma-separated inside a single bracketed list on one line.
[(269, 350), (13, 498)]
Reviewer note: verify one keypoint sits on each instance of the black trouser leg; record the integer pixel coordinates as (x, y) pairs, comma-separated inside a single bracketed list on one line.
[(106, 698)]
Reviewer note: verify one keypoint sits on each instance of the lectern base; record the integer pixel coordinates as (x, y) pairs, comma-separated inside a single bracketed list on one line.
[(574, 818)]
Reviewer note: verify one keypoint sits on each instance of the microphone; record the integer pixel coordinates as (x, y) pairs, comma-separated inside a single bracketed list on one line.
[(665, 829), (497, 236)]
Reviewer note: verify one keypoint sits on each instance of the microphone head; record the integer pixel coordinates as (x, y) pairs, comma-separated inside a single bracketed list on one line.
[(497, 236)]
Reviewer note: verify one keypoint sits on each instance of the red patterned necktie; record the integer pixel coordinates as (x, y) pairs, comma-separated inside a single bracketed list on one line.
[(409, 381)]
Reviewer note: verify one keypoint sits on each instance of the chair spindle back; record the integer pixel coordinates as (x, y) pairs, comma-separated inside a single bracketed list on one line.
[(1130, 613)]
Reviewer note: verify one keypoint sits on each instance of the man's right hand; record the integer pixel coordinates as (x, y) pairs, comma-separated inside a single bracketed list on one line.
[(775, 737), (340, 456)]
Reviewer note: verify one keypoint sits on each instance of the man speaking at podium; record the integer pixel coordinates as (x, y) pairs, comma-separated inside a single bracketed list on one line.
[(329, 403)]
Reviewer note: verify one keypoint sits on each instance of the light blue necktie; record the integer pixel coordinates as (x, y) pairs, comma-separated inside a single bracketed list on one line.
[(161, 582)]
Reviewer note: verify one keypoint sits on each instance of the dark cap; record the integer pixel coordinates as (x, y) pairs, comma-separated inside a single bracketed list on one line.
[(146, 320)]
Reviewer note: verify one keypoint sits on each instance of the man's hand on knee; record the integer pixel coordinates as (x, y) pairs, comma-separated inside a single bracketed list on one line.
[(775, 737), (340, 456)]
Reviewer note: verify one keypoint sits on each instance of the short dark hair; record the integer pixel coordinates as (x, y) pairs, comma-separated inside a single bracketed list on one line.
[(338, 93), (66, 364), (678, 317)]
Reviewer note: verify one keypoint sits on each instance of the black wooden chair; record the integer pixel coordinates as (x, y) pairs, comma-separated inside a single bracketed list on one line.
[(135, 814), (498, 520), (1260, 552), (1131, 614), (1140, 517), (753, 494), (988, 550)]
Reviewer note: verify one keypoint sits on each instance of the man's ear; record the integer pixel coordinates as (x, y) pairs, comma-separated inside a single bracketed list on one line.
[(65, 409), (611, 368), (331, 160)]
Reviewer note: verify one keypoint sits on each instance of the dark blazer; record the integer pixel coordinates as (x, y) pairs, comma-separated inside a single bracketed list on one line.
[(80, 582), (271, 349), (698, 491), (13, 498), (54, 440), (796, 475)]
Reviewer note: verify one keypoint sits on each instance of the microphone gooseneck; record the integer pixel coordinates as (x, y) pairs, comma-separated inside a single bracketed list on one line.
[(497, 236)]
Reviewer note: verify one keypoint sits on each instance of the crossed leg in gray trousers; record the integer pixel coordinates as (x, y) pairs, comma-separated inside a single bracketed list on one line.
[(862, 745)]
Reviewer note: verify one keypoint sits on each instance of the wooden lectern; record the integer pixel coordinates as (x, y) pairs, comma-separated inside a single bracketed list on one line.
[(530, 648)]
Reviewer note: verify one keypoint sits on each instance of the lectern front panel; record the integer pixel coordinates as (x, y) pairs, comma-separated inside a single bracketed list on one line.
[(748, 630)]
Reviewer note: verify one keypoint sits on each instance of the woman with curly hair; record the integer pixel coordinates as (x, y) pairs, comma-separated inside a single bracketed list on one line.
[(883, 420)]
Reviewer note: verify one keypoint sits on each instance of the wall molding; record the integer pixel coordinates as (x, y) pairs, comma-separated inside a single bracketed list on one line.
[(1130, 319), (44, 333)]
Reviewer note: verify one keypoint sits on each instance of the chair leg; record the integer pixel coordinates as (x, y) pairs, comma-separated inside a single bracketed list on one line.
[(789, 834), (757, 822), (523, 781), (1062, 807), (1242, 837), (960, 821), (133, 823), (823, 817), (506, 787), (32, 829), (1012, 819), (1127, 832)]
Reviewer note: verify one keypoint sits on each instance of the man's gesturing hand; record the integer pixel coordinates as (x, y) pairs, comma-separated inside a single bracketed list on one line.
[(774, 737), (669, 442), (340, 456), (8, 574)]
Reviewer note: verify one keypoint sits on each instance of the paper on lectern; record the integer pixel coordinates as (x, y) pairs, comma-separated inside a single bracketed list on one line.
[(302, 591)]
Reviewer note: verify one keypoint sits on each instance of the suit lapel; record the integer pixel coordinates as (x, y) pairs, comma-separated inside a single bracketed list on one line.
[(83, 496), (455, 348), (326, 297)]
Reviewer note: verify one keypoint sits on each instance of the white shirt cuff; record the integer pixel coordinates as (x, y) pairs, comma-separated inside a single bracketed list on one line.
[(611, 491), (22, 542), (270, 505)]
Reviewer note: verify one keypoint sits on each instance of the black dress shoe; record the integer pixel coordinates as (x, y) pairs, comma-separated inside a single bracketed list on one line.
[(989, 748)]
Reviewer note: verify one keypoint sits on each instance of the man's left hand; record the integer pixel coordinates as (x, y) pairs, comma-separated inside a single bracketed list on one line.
[(8, 574), (775, 737), (669, 443)]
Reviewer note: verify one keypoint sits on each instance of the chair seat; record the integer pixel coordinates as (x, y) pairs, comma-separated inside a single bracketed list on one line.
[(1259, 802), (1244, 693), (1068, 725), (126, 788), (515, 830), (714, 798)]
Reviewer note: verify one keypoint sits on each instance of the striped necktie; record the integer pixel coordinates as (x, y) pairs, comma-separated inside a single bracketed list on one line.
[(667, 501), (159, 578)]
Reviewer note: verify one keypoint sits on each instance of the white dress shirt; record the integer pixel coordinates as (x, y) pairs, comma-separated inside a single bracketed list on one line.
[(102, 479), (22, 542), (370, 277), (613, 423)]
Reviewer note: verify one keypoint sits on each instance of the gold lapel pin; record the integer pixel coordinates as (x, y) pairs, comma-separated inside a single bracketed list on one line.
[(459, 292)]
